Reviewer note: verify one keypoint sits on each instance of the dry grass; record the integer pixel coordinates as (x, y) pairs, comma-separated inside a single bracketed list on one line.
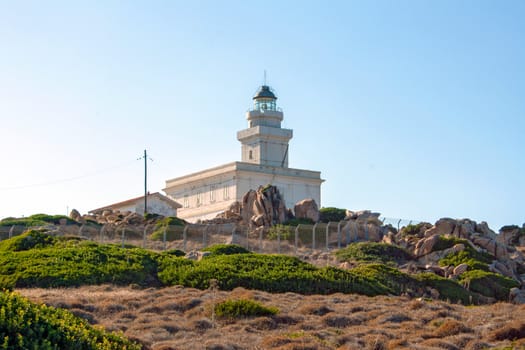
[(181, 318), (511, 331)]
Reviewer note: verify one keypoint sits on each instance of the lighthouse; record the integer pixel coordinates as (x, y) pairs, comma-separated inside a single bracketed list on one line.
[(264, 160)]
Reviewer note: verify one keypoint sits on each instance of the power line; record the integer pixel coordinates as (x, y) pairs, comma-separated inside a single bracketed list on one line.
[(69, 179)]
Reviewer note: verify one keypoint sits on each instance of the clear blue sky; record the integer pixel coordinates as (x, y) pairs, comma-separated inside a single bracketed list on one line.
[(414, 109)]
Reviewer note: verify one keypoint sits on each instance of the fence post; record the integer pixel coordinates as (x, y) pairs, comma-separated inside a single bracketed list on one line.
[(123, 236), (204, 238), (233, 234), (248, 237), (296, 237), (184, 237), (164, 237), (327, 232), (313, 236), (278, 241), (260, 241), (102, 231), (339, 235)]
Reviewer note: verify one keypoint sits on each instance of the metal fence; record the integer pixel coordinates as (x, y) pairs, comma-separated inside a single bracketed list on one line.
[(280, 239), (398, 223)]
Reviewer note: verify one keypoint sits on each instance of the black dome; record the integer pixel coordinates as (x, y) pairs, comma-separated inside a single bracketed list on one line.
[(264, 92)]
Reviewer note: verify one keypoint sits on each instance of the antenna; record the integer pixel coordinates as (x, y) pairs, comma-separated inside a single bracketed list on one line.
[(264, 77)]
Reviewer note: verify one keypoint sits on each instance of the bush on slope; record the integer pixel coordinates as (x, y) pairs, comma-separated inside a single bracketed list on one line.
[(25, 325)]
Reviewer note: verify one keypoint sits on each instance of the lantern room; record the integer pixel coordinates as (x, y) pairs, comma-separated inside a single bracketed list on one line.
[(264, 99)]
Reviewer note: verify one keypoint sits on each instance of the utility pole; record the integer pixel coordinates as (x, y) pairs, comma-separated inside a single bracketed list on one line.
[(145, 180)]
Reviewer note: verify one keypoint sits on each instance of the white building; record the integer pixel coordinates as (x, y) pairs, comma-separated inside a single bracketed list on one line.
[(157, 204), (264, 157)]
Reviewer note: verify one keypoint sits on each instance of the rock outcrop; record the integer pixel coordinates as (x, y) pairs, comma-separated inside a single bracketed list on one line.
[(364, 217), (517, 296), (428, 247), (512, 235), (75, 215), (263, 207), (307, 209)]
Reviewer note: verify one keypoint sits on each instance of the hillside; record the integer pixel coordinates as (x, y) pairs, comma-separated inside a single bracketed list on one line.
[(361, 296), (182, 318)]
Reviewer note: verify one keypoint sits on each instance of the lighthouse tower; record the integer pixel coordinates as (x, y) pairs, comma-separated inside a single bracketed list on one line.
[(265, 142)]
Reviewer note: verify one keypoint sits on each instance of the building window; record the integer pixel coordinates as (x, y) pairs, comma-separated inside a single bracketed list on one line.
[(186, 202), (199, 199), (226, 192), (250, 154), (212, 193)]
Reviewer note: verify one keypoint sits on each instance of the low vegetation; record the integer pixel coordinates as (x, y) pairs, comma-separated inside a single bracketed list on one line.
[(36, 259), (489, 284), (37, 220), (25, 325), (225, 249), (331, 214), (416, 230), (271, 273), (448, 242), (474, 260), (373, 252), (170, 226), (448, 289), (282, 232), (299, 221), (243, 308)]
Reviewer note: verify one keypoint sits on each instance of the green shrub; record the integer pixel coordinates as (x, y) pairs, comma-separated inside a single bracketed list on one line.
[(489, 284), (65, 262), (174, 252), (447, 288), (35, 259), (164, 225), (225, 249), (151, 216), (243, 308), (271, 273), (25, 325), (387, 277), (373, 252), (28, 240), (282, 232), (474, 259), (448, 242), (413, 230), (299, 221), (331, 214), (36, 220)]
